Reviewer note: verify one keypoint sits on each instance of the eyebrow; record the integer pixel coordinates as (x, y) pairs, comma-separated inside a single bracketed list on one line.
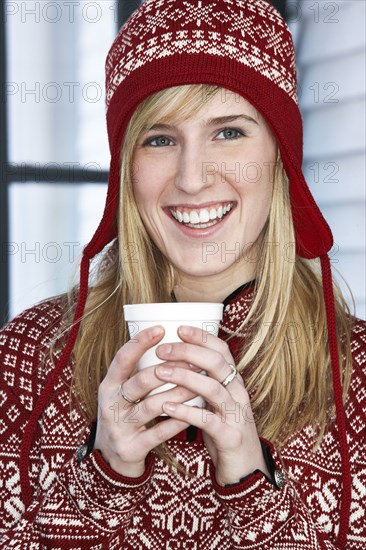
[(210, 122)]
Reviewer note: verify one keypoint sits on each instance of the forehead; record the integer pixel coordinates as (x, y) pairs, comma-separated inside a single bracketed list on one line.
[(226, 102), (198, 103)]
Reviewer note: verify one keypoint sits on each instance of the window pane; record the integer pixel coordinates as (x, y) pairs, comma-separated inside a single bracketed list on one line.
[(56, 54), (330, 40), (49, 225)]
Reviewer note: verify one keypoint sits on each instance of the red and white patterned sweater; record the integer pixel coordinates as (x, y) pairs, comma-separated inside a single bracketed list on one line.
[(89, 506)]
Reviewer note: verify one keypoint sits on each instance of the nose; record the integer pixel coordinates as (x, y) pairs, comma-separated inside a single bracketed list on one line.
[(195, 171)]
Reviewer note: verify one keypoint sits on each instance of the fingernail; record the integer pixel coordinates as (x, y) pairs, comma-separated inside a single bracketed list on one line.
[(185, 330), (164, 371), (168, 406), (156, 331), (165, 349)]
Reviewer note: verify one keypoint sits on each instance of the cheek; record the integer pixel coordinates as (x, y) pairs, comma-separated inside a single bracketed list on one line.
[(147, 189), (256, 184), (149, 178), (256, 200), (143, 186)]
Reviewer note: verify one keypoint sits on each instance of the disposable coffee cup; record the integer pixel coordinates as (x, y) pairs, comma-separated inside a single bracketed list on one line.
[(171, 315)]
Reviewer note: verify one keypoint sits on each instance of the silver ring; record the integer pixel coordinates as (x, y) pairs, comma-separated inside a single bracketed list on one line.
[(126, 398), (230, 377)]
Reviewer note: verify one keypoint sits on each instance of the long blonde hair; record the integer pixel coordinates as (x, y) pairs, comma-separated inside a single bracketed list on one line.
[(285, 360)]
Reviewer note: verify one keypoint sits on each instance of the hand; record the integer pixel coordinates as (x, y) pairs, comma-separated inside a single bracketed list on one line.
[(122, 435), (229, 431)]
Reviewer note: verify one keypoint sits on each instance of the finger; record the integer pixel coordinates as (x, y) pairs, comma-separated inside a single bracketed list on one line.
[(207, 421), (145, 380), (204, 339), (194, 416), (209, 388), (129, 354), (185, 365), (152, 407), (214, 362), (161, 432), (212, 423)]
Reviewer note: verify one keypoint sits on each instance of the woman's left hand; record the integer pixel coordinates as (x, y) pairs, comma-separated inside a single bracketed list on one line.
[(228, 428)]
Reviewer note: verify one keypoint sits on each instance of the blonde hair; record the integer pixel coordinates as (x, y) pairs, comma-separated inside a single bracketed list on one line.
[(285, 360)]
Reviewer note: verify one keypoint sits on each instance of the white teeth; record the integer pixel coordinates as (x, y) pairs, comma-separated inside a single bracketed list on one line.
[(204, 216), (201, 217), (194, 217)]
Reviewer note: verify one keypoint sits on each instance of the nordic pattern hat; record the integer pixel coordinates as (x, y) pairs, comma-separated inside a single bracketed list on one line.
[(246, 47)]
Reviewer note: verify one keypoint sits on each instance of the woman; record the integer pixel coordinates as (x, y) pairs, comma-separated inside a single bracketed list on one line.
[(206, 202)]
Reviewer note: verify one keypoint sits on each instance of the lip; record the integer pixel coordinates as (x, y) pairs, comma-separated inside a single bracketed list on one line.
[(200, 206), (200, 233)]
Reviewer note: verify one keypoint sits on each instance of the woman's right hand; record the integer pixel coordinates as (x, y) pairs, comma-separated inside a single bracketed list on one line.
[(122, 436)]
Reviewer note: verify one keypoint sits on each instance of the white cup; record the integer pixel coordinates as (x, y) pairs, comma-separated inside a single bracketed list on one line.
[(204, 315)]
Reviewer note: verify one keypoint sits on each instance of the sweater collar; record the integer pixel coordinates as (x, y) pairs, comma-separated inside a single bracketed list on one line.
[(236, 308), (238, 292)]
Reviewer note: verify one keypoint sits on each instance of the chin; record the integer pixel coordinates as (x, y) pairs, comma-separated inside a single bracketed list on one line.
[(200, 269)]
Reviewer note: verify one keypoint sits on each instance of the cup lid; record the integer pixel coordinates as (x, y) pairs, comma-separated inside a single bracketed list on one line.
[(174, 311)]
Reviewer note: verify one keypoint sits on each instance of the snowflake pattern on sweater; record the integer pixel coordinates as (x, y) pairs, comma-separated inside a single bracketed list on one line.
[(88, 505)]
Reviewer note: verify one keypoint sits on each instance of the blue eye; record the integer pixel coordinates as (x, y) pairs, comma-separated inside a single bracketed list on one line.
[(230, 133), (164, 141), (160, 141)]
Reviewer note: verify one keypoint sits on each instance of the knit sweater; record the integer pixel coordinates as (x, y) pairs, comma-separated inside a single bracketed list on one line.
[(87, 505)]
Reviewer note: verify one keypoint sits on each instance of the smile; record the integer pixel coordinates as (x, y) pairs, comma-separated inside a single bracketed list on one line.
[(203, 217)]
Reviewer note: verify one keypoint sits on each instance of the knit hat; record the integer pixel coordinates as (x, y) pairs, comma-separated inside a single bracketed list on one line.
[(246, 47)]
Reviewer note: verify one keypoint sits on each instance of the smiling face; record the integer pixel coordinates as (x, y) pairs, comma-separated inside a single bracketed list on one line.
[(203, 188)]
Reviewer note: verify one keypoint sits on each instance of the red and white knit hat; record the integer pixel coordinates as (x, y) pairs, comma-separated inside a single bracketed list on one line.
[(246, 47)]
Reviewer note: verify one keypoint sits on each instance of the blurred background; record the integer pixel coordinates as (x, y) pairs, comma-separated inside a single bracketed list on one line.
[(54, 150)]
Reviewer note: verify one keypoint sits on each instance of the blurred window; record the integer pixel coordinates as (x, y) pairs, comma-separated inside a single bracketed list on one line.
[(57, 139), (330, 45)]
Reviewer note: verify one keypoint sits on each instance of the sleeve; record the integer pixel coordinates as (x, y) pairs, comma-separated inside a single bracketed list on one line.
[(304, 513), (86, 504), (275, 475), (87, 501), (265, 515)]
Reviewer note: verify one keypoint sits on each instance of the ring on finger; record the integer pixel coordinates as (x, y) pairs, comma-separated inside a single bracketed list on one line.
[(231, 376), (124, 396)]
